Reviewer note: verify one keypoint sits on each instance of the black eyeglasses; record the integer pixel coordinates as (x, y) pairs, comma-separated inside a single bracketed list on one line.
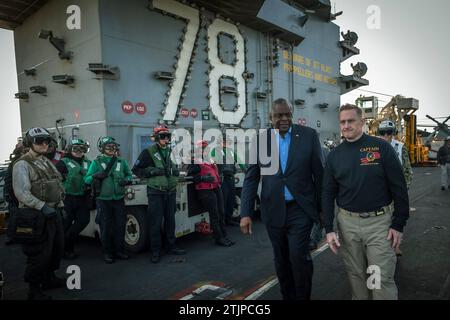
[(42, 140)]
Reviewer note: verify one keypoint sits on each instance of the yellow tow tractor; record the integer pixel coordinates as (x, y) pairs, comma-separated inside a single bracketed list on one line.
[(399, 110)]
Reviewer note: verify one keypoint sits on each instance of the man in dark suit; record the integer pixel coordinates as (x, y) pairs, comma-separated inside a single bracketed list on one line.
[(289, 196)]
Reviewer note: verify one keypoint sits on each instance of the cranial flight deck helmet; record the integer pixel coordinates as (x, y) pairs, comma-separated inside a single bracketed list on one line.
[(36, 135), (387, 127), (104, 141)]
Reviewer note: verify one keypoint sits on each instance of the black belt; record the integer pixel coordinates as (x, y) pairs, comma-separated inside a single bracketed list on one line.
[(289, 202), (374, 213)]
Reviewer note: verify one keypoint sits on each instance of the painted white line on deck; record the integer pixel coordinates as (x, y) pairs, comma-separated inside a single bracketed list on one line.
[(200, 290), (321, 249), (258, 293)]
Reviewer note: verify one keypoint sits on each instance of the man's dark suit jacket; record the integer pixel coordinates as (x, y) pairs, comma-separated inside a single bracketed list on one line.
[(303, 178)]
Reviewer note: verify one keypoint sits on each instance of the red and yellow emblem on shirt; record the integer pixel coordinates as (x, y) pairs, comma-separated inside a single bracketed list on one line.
[(369, 155)]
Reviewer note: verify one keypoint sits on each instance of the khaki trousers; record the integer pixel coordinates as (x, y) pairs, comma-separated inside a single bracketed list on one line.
[(364, 245)]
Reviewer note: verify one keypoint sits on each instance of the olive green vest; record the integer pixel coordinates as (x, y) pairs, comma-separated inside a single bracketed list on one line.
[(161, 183), (74, 184), (48, 187)]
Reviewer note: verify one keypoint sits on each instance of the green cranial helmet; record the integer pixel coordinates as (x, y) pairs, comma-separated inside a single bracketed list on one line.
[(78, 142), (103, 141)]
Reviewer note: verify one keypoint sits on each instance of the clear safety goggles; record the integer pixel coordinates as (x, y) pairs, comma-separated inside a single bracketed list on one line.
[(111, 147), (80, 149)]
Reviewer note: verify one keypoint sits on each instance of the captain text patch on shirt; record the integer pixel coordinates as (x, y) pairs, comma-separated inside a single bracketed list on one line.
[(369, 156)]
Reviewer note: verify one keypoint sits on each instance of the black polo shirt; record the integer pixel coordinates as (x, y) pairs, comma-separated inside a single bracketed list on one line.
[(363, 176)]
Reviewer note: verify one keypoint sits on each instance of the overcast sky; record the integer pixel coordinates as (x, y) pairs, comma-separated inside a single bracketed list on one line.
[(9, 107), (408, 55)]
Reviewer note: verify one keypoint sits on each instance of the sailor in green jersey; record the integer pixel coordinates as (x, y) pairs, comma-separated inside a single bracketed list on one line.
[(73, 167), (109, 180)]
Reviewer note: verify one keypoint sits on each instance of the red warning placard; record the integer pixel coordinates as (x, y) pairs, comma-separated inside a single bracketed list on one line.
[(140, 108), (127, 107)]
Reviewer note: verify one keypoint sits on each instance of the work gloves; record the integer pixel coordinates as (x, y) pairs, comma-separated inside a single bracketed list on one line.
[(87, 189), (156, 172), (175, 172), (153, 172), (208, 178), (99, 175), (48, 211), (124, 183)]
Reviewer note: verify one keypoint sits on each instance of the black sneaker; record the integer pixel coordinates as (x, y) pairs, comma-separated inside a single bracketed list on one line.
[(443, 188), (122, 256), (176, 251), (35, 293), (108, 258), (230, 241), (155, 258), (224, 242)]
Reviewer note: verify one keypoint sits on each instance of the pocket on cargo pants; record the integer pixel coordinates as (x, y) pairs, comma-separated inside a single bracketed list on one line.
[(381, 257), (353, 254)]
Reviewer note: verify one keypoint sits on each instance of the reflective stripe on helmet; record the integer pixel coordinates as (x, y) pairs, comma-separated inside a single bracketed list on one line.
[(38, 132), (387, 124)]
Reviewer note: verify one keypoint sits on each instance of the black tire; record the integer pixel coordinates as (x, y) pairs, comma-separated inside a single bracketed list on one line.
[(136, 229)]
